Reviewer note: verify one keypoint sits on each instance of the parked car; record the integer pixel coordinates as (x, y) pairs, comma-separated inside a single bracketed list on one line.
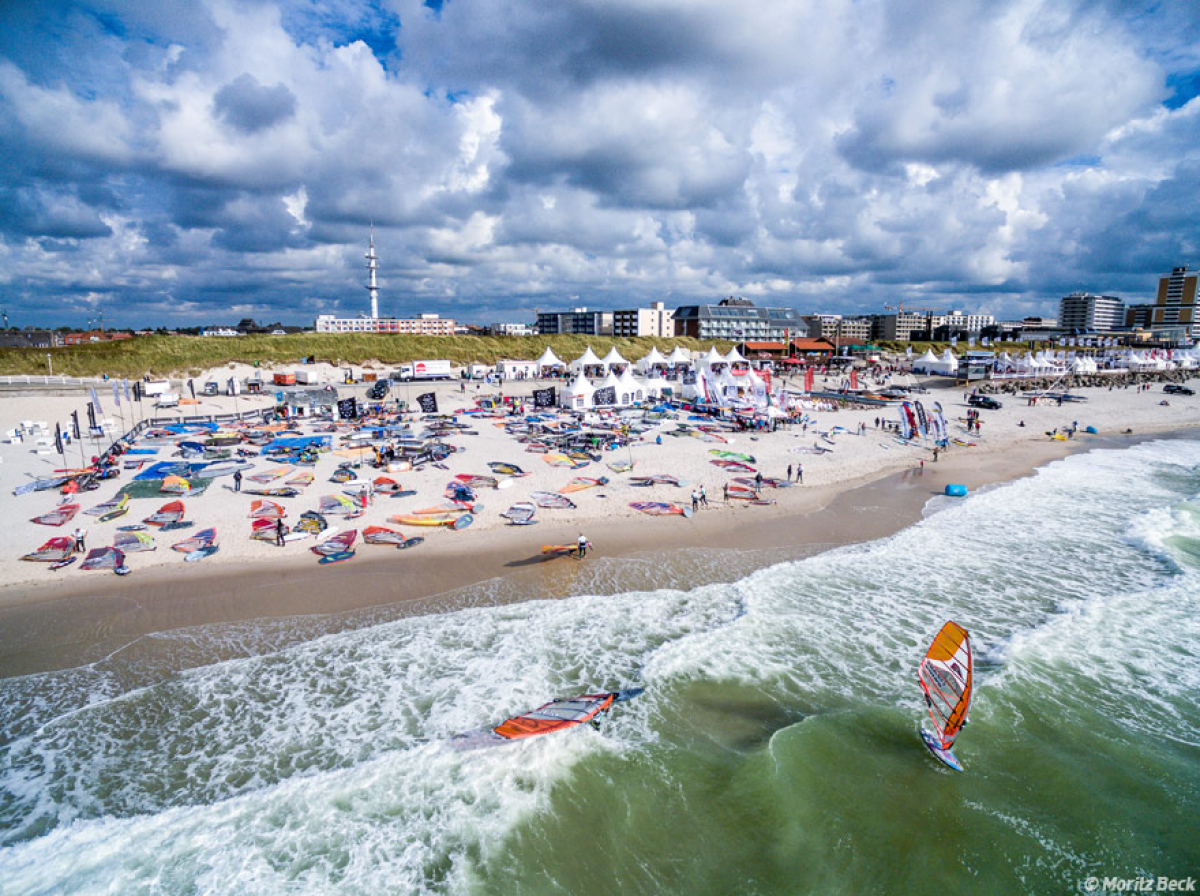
[(378, 390), (1177, 389), (984, 401)]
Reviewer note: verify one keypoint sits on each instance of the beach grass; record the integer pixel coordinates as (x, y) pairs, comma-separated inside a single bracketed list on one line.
[(159, 356)]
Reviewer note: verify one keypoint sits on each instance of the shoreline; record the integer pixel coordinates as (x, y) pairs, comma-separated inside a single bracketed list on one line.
[(74, 626)]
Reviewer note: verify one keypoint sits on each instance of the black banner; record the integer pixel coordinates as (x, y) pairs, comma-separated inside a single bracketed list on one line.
[(605, 397), (347, 408), (75, 425), (58, 438), (137, 390), (543, 398), (428, 402), (91, 417), (922, 420)]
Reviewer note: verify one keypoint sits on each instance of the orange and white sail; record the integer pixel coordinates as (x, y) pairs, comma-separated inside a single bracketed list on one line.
[(946, 678)]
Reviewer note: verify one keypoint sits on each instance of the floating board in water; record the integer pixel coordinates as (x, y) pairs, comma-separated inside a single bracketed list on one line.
[(945, 756), (133, 527), (201, 553), (336, 558), (463, 521), (558, 715), (410, 542), (65, 561), (113, 514)]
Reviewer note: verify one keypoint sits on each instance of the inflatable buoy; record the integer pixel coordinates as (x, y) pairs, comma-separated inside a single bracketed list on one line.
[(956, 491)]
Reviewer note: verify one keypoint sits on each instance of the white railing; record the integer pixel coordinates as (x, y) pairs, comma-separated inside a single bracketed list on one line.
[(28, 380)]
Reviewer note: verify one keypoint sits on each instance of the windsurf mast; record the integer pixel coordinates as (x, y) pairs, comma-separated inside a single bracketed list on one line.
[(945, 675)]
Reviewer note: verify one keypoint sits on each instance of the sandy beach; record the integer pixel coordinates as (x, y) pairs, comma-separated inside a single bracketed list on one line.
[(866, 487)]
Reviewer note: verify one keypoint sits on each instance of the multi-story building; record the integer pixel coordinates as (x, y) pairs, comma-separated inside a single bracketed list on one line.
[(839, 330), (1175, 304), (957, 322), (425, 325), (653, 321), (577, 320), (1083, 311), (1139, 317), (897, 327), (512, 330), (737, 320)]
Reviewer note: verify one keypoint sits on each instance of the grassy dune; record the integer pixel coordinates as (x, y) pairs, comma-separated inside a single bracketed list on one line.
[(188, 356)]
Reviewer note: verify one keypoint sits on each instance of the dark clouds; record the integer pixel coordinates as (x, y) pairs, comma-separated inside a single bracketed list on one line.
[(208, 161)]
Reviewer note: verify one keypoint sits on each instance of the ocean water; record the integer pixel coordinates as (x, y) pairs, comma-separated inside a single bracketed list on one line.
[(774, 751)]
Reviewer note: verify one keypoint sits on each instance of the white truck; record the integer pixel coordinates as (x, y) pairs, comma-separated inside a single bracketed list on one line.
[(422, 370)]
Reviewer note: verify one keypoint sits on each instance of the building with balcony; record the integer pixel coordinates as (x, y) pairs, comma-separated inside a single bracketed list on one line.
[(1082, 311), (738, 320), (656, 320), (425, 325), (1175, 304), (577, 320)]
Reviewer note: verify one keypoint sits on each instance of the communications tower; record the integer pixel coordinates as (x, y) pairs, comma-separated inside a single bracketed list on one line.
[(372, 267)]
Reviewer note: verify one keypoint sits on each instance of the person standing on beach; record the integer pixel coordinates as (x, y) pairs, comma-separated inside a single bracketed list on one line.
[(695, 500), (935, 454), (80, 539), (800, 473), (583, 545), (279, 532), (789, 475), (726, 492), (703, 497), (237, 480), (758, 480)]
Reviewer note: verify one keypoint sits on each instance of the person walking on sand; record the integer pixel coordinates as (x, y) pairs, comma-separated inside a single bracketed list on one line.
[(800, 473), (703, 497), (726, 492), (695, 500), (279, 533), (789, 475), (237, 480), (758, 480)]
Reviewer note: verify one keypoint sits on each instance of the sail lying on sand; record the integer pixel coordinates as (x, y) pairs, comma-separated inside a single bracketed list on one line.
[(945, 675)]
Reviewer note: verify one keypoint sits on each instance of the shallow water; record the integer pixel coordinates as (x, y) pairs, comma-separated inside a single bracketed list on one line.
[(774, 751)]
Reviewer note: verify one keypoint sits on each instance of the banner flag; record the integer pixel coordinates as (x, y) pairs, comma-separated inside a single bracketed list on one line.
[(543, 398), (428, 402)]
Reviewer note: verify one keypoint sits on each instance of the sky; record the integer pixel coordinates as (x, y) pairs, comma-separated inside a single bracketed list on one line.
[(171, 163)]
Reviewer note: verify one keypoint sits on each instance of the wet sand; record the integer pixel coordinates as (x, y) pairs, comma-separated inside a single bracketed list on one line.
[(69, 624)]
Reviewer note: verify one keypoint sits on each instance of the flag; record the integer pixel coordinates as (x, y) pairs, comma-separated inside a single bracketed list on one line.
[(192, 388), (428, 402), (543, 398), (853, 379), (605, 397), (75, 425), (125, 385), (96, 402), (808, 380), (348, 408), (92, 413), (116, 394), (58, 437)]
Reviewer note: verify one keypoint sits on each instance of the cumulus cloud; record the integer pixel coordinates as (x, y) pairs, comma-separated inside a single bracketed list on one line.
[(217, 157)]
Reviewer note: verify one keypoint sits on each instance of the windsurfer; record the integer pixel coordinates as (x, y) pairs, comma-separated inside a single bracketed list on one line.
[(583, 545), (80, 539)]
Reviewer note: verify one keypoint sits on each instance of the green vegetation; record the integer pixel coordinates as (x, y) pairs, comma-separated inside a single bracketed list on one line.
[(187, 356)]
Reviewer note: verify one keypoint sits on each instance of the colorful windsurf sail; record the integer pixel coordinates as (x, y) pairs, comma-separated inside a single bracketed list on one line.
[(945, 675), (205, 538), (171, 512), (52, 551), (60, 515)]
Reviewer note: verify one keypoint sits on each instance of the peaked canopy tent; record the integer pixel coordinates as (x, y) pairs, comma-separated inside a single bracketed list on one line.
[(614, 360), (712, 356), (679, 358), (629, 389), (735, 357), (585, 362), (652, 360), (549, 361), (577, 395)]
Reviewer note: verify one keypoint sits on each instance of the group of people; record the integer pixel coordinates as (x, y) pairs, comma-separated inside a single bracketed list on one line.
[(699, 497)]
